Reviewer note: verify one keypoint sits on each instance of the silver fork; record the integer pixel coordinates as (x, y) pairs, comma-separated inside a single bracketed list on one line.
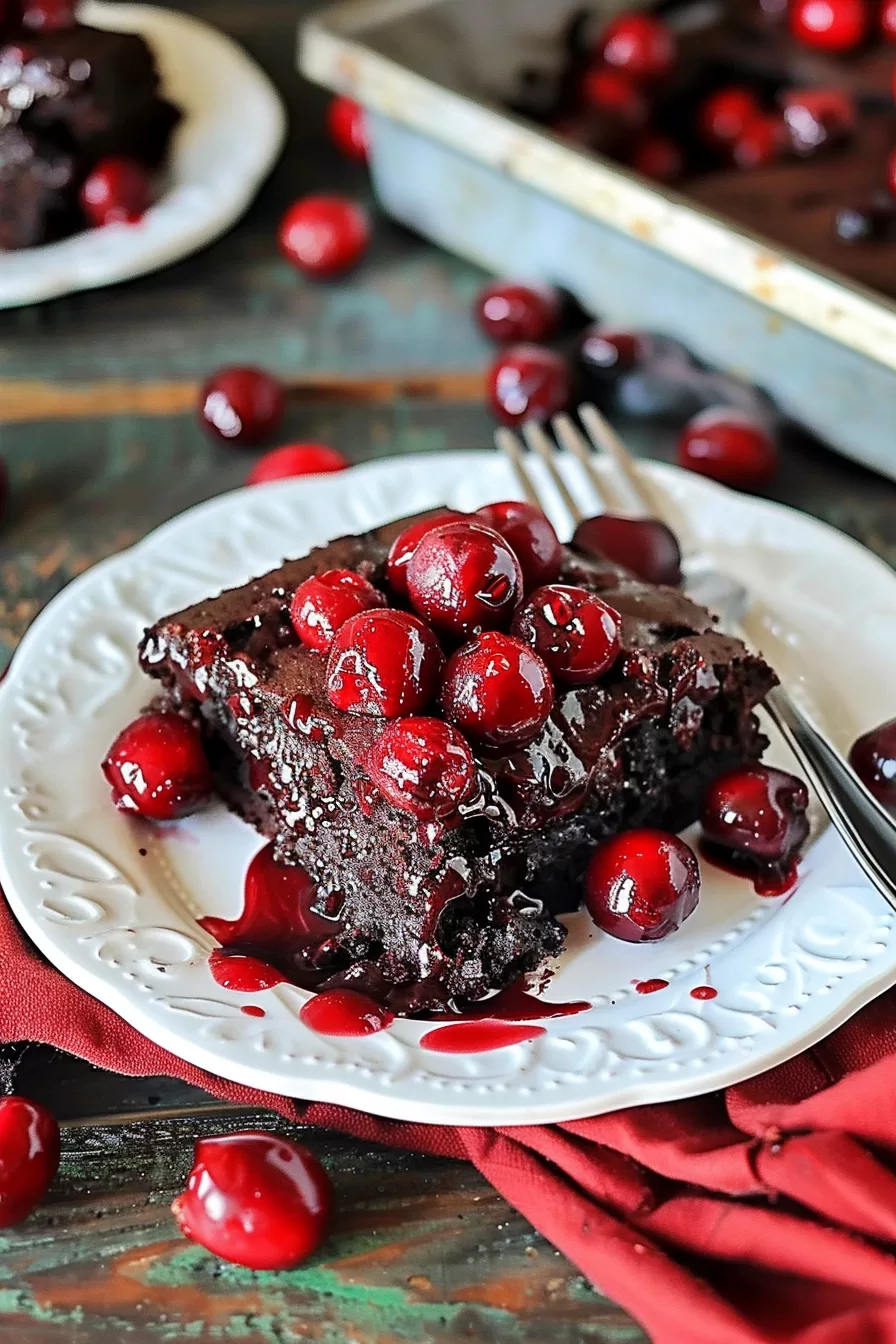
[(868, 831)]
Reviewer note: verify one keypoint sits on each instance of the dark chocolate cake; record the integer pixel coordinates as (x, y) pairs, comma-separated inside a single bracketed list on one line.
[(425, 914), (70, 97)]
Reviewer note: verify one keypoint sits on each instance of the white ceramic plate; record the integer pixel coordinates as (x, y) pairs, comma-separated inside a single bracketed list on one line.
[(123, 924), (232, 131)]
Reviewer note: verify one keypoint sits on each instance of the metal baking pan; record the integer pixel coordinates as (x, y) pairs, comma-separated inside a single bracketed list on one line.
[(448, 160)]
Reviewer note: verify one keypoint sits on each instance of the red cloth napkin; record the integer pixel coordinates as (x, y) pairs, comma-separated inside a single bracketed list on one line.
[(765, 1213)]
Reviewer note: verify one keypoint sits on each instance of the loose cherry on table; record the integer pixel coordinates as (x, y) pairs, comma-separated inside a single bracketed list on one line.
[(497, 690), (873, 757), (640, 45), (726, 114), (529, 535), (116, 191), (574, 631), (406, 543), (831, 25), (463, 578), (527, 382), (423, 766), (642, 885), (49, 15), (297, 459), (157, 767), (384, 663), (348, 128), (616, 95), (324, 236), (242, 404), (29, 1156), (729, 446), (757, 811), (255, 1199), (644, 546), (659, 158), (761, 142), (323, 603), (508, 310), (817, 119)]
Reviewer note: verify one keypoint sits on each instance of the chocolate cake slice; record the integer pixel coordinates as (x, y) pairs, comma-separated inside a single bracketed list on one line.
[(429, 913)]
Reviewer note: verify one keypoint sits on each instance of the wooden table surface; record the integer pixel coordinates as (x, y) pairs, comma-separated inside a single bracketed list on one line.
[(96, 423)]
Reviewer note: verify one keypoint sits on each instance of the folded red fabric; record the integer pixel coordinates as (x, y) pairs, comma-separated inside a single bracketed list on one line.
[(764, 1213)]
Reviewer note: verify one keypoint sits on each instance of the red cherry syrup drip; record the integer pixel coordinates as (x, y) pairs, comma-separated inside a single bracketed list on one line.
[(766, 881), (703, 992), (242, 973), (344, 1012), (516, 1004), (252, 1010), (651, 986), (478, 1036)]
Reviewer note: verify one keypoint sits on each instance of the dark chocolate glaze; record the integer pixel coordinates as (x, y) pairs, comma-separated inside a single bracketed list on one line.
[(425, 915)]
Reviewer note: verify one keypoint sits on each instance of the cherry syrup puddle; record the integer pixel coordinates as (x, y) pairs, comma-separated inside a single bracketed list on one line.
[(766, 882)]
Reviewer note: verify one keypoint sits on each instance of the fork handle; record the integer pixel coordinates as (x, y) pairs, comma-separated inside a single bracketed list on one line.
[(863, 824)]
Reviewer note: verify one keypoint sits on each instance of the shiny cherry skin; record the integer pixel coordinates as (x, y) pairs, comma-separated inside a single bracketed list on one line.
[(888, 20), (645, 547), (406, 543), (729, 446), (616, 95), (529, 535), (830, 25), (817, 119), (29, 1156), (158, 769), (639, 45), (726, 114), (423, 766), (255, 1199), (527, 382), (641, 885), (607, 352), (508, 310), (497, 690), (324, 236), (761, 143), (659, 158), (464, 578), (757, 811), (384, 663), (574, 631), (116, 191), (297, 459), (323, 603), (49, 15), (348, 128), (242, 404), (873, 757)]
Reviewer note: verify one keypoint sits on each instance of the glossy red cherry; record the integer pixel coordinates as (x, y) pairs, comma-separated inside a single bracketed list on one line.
[(818, 119), (605, 351), (157, 767), (385, 663), (640, 45), (29, 1156), (242, 404), (762, 142), (575, 632), (758, 811), (529, 535), (642, 885), (726, 114), (255, 1199), (888, 20), (508, 310), (297, 459), (659, 158), (644, 546), (616, 95), (49, 15), (729, 446), (324, 235), (324, 602), (406, 543), (423, 766), (527, 382), (831, 25), (463, 578), (116, 191), (348, 128), (497, 690), (873, 757)]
